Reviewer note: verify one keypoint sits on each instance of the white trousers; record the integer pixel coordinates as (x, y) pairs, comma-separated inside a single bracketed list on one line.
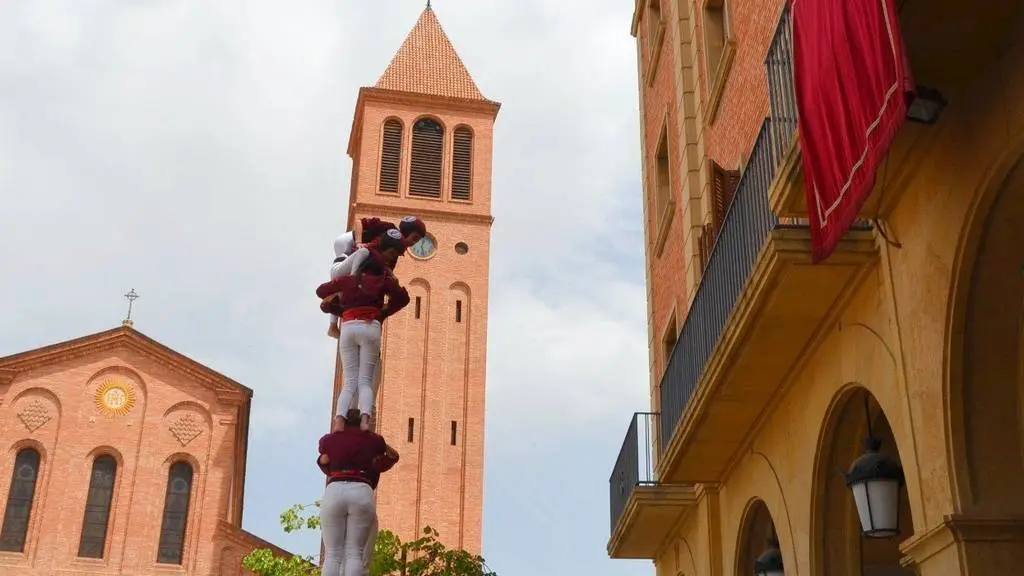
[(347, 512), (371, 543), (359, 347)]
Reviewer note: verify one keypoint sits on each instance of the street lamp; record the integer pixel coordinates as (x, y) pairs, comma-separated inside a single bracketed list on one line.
[(928, 103), (769, 563), (875, 480)]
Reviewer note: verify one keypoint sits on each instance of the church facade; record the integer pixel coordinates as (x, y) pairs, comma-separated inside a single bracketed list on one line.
[(421, 144), (121, 456)]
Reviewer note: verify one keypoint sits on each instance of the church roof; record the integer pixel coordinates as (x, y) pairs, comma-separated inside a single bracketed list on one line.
[(427, 63), (117, 337)]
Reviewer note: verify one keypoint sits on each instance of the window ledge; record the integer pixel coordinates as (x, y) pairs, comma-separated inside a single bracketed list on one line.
[(664, 223), (654, 57), (720, 79)]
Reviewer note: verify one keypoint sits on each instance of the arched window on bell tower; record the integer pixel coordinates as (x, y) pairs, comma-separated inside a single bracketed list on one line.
[(462, 163), (427, 158), (391, 156)]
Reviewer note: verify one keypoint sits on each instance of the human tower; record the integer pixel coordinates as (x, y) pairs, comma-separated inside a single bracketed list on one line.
[(362, 293)]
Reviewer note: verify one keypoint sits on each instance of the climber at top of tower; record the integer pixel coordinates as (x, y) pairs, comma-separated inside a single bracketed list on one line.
[(411, 227), (365, 300)]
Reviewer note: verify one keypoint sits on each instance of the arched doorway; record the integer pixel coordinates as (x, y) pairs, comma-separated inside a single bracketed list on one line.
[(838, 548), (757, 539)]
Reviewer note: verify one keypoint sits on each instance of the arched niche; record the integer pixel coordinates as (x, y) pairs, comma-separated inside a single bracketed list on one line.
[(838, 548), (757, 534), (986, 353)]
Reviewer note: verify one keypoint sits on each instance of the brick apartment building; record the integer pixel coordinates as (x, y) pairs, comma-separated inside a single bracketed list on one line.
[(771, 358)]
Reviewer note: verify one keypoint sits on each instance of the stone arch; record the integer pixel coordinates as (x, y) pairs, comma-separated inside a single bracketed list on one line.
[(123, 371), (756, 526), (187, 421), (39, 412), (105, 450), (837, 548), (984, 384)]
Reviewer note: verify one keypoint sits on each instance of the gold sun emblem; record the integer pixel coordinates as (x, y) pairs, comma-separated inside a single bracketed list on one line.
[(115, 398)]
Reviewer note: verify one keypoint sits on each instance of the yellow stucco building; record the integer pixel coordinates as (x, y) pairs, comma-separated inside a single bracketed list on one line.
[(768, 372)]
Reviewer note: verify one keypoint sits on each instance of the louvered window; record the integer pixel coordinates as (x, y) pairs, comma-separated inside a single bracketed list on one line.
[(97, 507), (19, 501), (175, 520), (462, 163), (427, 158), (391, 156)]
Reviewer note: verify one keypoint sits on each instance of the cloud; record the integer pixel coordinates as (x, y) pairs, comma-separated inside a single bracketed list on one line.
[(195, 152)]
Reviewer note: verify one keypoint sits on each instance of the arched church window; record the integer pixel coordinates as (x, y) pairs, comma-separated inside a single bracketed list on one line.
[(462, 163), (427, 158), (97, 507), (391, 156), (172, 529), (18, 510)]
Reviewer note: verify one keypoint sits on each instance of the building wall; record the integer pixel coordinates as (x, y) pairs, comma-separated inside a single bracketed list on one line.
[(906, 339), (665, 231), (53, 408), (434, 366)]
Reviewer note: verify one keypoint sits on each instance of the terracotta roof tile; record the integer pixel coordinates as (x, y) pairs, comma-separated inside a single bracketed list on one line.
[(427, 63)]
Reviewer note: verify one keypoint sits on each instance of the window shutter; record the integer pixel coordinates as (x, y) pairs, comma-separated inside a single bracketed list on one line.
[(427, 158), (462, 163), (391, 156), (723, 188)]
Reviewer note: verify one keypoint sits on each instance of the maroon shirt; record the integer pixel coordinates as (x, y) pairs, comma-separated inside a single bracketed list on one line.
[(355, 455), (365, 290)]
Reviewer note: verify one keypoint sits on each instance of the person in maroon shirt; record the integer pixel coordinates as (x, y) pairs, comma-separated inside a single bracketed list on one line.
[(353, 460), (366, 299), (411, 227)]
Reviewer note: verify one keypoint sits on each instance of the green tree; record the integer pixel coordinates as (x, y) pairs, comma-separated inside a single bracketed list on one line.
[(424, 556)]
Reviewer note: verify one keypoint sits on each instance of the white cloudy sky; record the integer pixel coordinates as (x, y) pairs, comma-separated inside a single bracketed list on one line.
[(194, 151)]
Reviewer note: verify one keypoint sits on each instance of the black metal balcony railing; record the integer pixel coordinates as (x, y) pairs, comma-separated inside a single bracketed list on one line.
[(781, 89), (635, 464), (745, 228)]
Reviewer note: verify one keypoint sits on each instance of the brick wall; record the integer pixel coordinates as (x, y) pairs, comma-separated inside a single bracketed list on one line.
[(677, 93)]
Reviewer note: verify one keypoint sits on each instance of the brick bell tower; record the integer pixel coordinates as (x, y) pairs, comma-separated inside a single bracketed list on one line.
[(421, 144)]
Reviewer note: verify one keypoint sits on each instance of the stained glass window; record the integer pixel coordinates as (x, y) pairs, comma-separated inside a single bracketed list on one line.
[(97, 507), (172, 530), (19, 501)]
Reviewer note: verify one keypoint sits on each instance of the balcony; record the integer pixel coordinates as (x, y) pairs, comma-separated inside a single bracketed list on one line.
[(757, 309), (643, 510), (787, 197)]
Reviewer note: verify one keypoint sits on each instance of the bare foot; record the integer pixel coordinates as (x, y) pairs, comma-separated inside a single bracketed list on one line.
[(339, 424), (364, 422)]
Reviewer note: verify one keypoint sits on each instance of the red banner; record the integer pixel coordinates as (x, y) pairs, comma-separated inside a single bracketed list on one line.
[(851, 78)]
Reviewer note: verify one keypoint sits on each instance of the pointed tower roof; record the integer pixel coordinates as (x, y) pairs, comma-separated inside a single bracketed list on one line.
[(427, 63)]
